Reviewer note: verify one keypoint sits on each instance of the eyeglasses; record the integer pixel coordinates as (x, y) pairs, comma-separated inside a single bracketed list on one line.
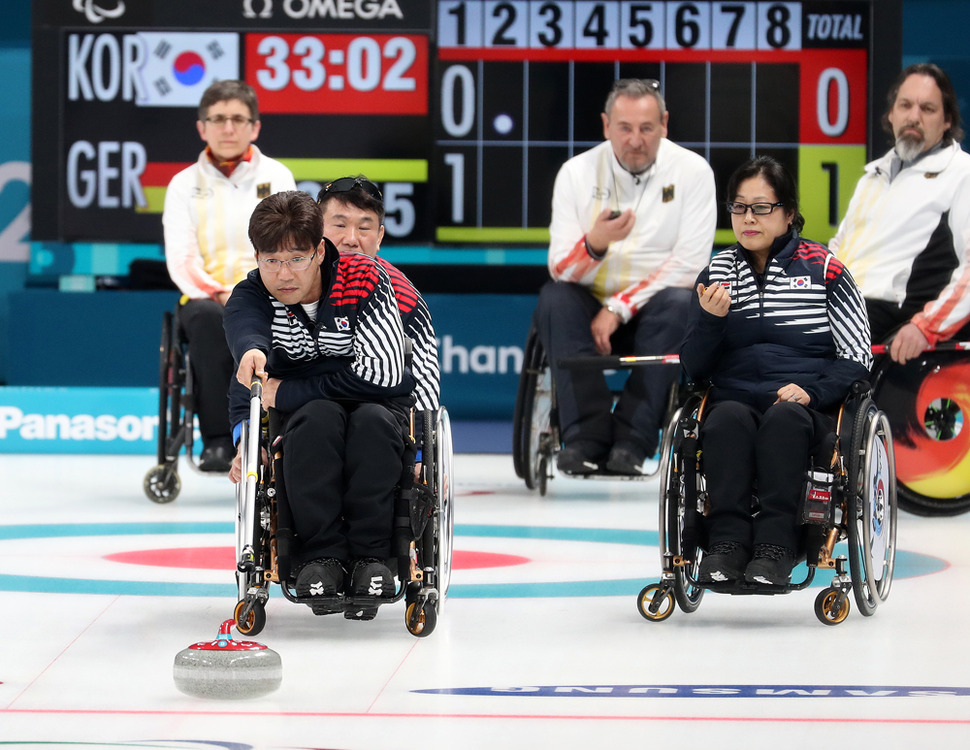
[(346, 184), (275, 265), (758, 209), (237, 121)]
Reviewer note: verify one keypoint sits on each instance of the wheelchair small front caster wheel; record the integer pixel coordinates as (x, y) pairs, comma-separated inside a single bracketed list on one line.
[(654, 603), (831, 606), (162, 484), (542, 475), (254, 622), (420, 621)]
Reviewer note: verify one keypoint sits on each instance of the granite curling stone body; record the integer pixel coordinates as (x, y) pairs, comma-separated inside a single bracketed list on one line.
[(225, 668)]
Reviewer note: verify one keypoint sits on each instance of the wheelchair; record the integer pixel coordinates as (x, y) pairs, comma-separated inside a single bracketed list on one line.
[(850, 495), (176, 413), (422, 540), (927, 401), (535, 422)]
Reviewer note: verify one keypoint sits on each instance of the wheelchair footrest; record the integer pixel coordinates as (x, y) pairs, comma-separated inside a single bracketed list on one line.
[(354, 607), (742, 587)]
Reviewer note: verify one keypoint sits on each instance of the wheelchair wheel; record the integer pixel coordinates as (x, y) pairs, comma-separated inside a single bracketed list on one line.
[(424, 600), (252, 539), (928, 405), (831, 608), (165, 382), (673, 510), (533, 434), (445, 498), (542, 475), (172, 377), (254, 622), (871, 507), (420, 621), (162, 484), (527, 377), (655, 604)]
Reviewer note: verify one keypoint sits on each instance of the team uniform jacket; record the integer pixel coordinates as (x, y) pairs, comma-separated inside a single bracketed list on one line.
[(353, 352), (805, 323), (206, 221), (909, 238), (416, 319), (671, 241)]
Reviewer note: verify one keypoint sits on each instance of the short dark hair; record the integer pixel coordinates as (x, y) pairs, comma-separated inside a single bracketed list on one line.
[(291, 217), (356, 196), (223, 91), (951, 107), (635, 88), (774, 173)]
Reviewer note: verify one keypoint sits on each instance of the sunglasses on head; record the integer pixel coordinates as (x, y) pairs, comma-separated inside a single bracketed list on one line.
[(346, 184)]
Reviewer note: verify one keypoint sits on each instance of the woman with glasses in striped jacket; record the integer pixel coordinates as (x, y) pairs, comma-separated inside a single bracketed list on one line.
[(778, 328)]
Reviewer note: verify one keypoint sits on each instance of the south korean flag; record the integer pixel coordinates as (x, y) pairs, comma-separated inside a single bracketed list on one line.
[(179, 66)]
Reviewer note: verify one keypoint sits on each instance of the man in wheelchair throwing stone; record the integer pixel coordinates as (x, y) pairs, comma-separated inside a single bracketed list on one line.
[(323, 333), (778, 329)]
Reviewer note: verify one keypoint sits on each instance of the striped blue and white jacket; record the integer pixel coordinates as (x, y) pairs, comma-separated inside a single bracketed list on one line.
[(353, 351), (803, 321)]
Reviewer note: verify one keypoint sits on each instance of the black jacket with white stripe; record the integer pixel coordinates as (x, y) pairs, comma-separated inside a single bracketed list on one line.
[(353, 351), (803, 321)]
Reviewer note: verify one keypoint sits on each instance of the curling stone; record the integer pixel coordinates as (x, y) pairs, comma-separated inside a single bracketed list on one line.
[(225, 668)]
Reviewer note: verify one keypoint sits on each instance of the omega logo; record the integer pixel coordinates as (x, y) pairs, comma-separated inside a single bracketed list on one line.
[(266, 12)]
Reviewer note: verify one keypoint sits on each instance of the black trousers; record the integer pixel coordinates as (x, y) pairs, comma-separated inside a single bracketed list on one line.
[(742, 446), (562, 319), (212, 366), (341, 463)]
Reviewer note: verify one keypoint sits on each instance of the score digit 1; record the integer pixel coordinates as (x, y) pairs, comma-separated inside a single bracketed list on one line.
[(827, 176)]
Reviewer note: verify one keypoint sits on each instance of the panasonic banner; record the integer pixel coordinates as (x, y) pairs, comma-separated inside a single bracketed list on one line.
[(78, 420)]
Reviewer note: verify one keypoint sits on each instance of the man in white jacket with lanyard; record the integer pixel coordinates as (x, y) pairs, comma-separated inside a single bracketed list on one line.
[(906, 232), (207, 249), (633, 224)]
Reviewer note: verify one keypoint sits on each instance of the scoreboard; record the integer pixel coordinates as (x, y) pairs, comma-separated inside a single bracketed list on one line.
[(461, 110)]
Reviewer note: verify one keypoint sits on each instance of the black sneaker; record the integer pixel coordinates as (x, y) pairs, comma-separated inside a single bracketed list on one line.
[(369, 577), (216, 457), (626, 458), (723, 562), (320, 578), (770, 564), (577, 460)]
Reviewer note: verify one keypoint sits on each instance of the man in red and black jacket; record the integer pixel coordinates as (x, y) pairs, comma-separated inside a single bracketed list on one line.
[(323, 333), (353, 219)]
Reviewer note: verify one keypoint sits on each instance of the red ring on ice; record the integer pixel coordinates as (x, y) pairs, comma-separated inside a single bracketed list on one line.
[(223, 558)]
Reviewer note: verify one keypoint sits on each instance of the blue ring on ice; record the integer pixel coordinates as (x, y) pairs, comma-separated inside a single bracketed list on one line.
[(907, 564)]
